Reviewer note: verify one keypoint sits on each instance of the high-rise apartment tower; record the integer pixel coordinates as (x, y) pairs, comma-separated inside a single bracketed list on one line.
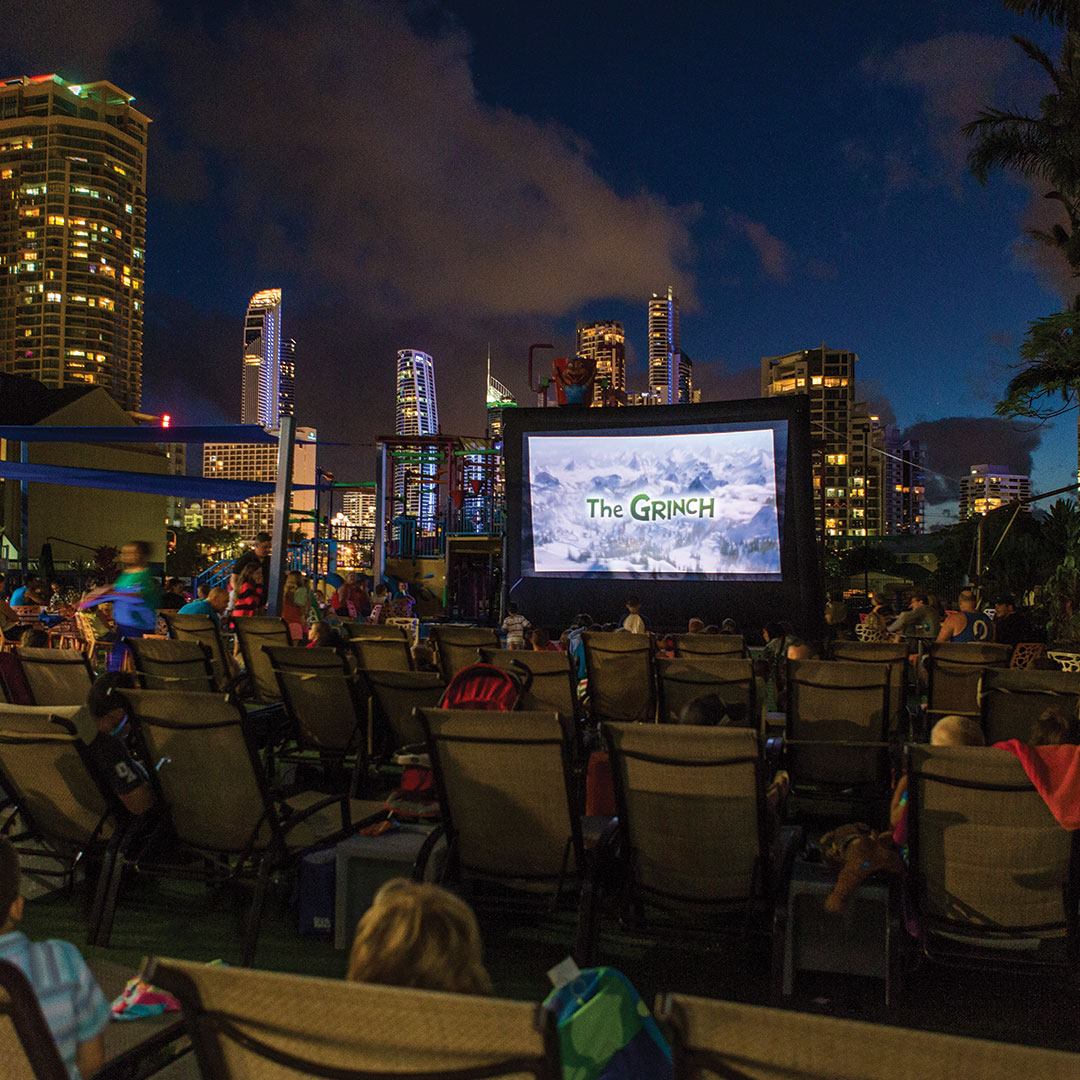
[(417, 413), (269, 366), (604, 342), (664, 347), (72, 234)]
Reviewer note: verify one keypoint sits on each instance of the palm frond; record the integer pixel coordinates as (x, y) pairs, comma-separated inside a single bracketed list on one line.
[(1040, 57), (1007, 144), (1057, 12)]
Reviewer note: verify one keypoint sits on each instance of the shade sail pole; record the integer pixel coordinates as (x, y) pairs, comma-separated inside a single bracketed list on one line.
[(282, 501)]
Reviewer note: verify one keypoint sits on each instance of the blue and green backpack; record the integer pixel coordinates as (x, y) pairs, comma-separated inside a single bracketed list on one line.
[(606, 1031)]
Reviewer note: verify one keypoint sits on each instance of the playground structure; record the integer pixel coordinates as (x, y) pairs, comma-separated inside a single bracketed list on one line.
[(439, 522)]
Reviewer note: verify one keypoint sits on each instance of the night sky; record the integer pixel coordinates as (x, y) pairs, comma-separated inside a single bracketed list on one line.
[(453, 175)]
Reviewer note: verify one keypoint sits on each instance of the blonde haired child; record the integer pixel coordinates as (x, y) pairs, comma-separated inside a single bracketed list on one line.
[(422, 936)]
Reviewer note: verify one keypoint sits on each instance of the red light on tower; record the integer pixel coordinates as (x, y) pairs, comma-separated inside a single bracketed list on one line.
[(166, 420)]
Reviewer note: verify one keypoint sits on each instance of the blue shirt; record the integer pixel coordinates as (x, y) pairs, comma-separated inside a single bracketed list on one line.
[(197, 607), (71, 1000), (18, 597), (977, 627)]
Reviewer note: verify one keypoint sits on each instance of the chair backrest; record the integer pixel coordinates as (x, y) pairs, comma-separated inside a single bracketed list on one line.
[(505, 791), (692, 806), (730, 678), (895, 654), (396, 695), (204, 629), (620, 671), (207, 774), (27, 1047), (552, 684), (986, 854), (837, 704), (247, 1023), (710, 645), (390, 653), (321, 698), (374, 631), (724, 1038), (252, 633), (954, 671), (56, 676), (48, 777), (459, 646), (1012, 699), (169, 664)]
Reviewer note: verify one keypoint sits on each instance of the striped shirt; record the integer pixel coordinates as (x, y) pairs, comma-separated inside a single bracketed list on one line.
[(71, 1000)]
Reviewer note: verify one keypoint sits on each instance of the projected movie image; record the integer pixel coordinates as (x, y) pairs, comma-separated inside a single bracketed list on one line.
[(655, 505)]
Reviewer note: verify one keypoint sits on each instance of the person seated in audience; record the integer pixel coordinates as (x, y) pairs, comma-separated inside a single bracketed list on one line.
[(695, 626), (9, 621), (967, 624), (173, 598), (203, 591), (1012, 626), (633, 623), (34, 637), (30, 594), (111, 760), (1055, 727), (422, 936), (424, 657), (540, 640), (71, 1000), (213, 604), (919, 621), (380, 609), (728, 627), (575, 644), (325, 636), (861, 853), (712, 628), (798, 649)]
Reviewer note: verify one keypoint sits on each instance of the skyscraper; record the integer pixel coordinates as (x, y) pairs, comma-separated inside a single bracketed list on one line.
[(417, 413), (417, 408), (604, 342), (259, 461), (264, 347), (986, 487), (72, 234), (287, 379), (905, 485), (827, 377), (663, 346)]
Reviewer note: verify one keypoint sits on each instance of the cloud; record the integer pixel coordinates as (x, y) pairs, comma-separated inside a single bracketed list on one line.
[(1050, 265), (955, 443), (775, 256), (350, 147), (393, 182), (75, 37), (956, 74)]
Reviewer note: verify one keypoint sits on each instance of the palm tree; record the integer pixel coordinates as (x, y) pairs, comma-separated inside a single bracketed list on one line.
[(1044, 147)]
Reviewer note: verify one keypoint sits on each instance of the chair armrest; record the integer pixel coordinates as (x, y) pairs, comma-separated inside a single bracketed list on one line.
[(419, 869), (293, 817)]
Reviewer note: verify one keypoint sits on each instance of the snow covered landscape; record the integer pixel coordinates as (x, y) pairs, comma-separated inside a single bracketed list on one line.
[(655, 505)]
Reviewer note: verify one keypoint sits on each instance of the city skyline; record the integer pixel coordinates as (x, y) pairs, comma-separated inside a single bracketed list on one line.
[(866, 231)]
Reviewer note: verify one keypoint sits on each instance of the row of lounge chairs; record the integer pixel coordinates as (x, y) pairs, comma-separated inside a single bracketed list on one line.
[(254, 1023)]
